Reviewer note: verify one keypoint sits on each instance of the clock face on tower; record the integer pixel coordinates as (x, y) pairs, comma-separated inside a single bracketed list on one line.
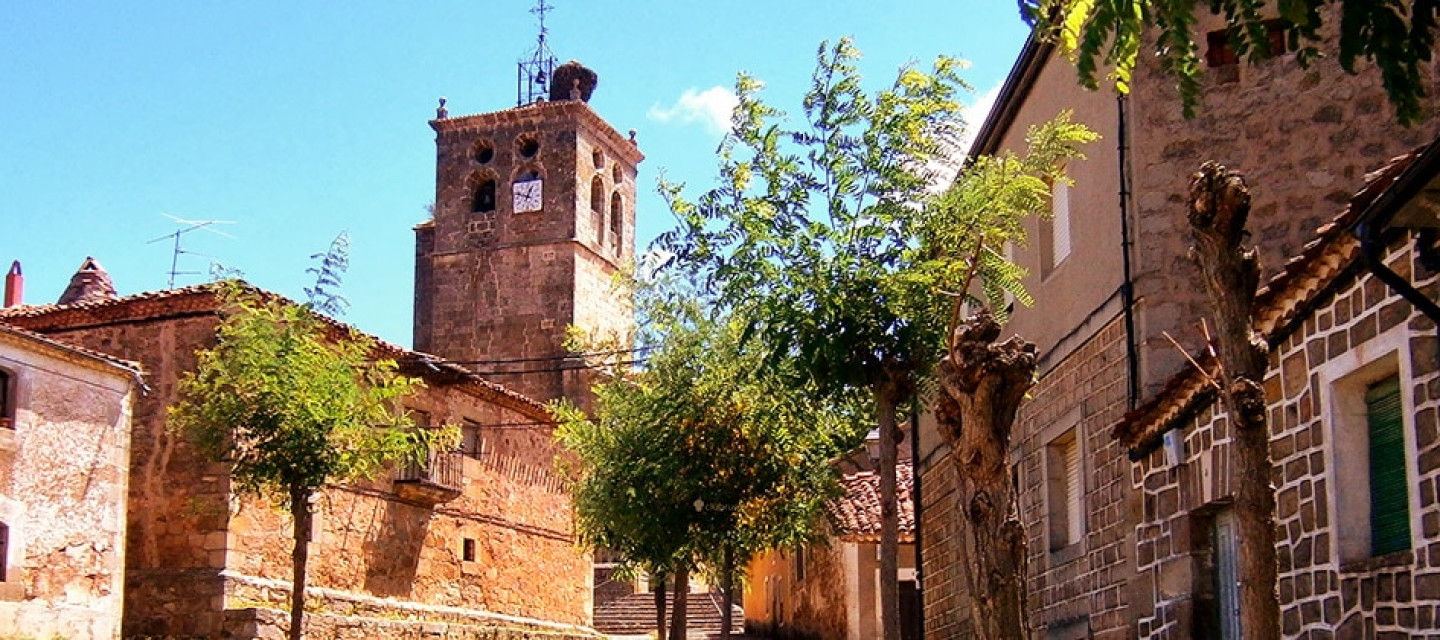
[(527, 195)]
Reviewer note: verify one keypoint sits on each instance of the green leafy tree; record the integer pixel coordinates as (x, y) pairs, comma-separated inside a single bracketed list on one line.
[(1398, 36), (699, 457), (291, 406), (816, 235)]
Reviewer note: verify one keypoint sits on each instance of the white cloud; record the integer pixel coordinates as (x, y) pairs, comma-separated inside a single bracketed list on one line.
[(976, 112), (710, 108)]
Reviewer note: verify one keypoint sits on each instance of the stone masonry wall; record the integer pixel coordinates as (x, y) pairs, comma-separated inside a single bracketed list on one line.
[(1087, 584), (1362, 329), (63, 475), (513, 509), (1084, 584), (185, 529), (505, 285), (1302, 137), (812, 608), (946, 602)]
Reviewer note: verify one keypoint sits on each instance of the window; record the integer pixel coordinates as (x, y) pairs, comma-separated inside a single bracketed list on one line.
[(1389, 494), (799, 563), (617, 219), (471, 444), (7, 400), (467, 550), (597, 209), (1221, 56), (528, 146), (420, 418), (484, 199), (1370, 458), (598, 159), (1055, 231), (484, 153), (617, 175), (1064, 491)]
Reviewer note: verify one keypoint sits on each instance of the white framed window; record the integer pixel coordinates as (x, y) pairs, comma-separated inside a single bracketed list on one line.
[(1055, 231), (1372, 456), (1065, 491)]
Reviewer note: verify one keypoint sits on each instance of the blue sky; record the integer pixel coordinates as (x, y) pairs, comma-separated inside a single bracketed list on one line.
[(299, 120)]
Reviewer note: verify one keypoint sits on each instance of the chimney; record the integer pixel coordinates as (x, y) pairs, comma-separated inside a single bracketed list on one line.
[(14, 286)]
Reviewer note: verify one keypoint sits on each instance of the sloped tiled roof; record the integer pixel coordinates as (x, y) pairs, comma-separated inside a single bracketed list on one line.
[(132, 368), (90, 282), (202, 300), (856, 515), (1281, 301)]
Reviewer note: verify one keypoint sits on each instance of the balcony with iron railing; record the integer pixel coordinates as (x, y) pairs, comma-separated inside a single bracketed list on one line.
[(437, 480)]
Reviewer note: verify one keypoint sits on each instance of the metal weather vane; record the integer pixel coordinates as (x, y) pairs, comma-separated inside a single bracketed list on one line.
[(532, 75)]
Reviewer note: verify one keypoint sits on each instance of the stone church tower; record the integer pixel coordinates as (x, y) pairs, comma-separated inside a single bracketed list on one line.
[(534, 214)]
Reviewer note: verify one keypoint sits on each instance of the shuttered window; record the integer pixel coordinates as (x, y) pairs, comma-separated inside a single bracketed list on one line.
[(1065, 491), (1073, 518), (1389, 490), (1060, 225)]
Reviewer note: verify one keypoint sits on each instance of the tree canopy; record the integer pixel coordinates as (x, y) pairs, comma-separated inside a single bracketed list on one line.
[(829, 240), (292, 403), (698, 450), (1398, 36)]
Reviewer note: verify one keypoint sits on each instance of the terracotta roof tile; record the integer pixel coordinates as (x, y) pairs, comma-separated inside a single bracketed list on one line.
[(856, 515), (1277, 303), (130, 367)]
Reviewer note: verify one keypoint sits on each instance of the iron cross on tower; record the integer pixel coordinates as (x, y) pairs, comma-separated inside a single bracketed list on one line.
[(532, 77)]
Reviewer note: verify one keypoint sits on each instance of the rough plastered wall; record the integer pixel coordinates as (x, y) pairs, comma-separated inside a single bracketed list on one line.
[(1303, 138), (178, 503), (368, 542), (782, 604), (63, 474), (1361, 329)]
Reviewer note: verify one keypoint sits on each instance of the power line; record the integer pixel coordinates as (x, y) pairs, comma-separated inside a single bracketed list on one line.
[(579, 354), (578, 367)]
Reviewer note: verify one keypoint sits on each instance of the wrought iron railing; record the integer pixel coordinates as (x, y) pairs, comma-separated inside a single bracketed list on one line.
[(441, 468)]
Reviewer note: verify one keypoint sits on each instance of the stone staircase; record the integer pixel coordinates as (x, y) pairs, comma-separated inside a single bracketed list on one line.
[(635, 614)]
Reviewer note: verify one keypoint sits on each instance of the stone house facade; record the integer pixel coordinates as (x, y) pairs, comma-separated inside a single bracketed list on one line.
[(830, 589), (480, 537), (64, 461), (1111, 279), (1352, 384)]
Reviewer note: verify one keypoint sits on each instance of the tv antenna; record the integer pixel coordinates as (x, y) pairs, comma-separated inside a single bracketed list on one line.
[(189, 225), (532, 76)]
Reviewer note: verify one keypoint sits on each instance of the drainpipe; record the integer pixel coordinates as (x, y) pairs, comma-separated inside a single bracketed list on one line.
[(1127, 288), (916, 506)]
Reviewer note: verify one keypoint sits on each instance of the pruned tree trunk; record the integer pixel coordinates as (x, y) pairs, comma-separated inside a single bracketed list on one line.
[(1219, 207), (983, 383), (885, 399), (682, 603), (659, 588), (727, 590), (300, 556)]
